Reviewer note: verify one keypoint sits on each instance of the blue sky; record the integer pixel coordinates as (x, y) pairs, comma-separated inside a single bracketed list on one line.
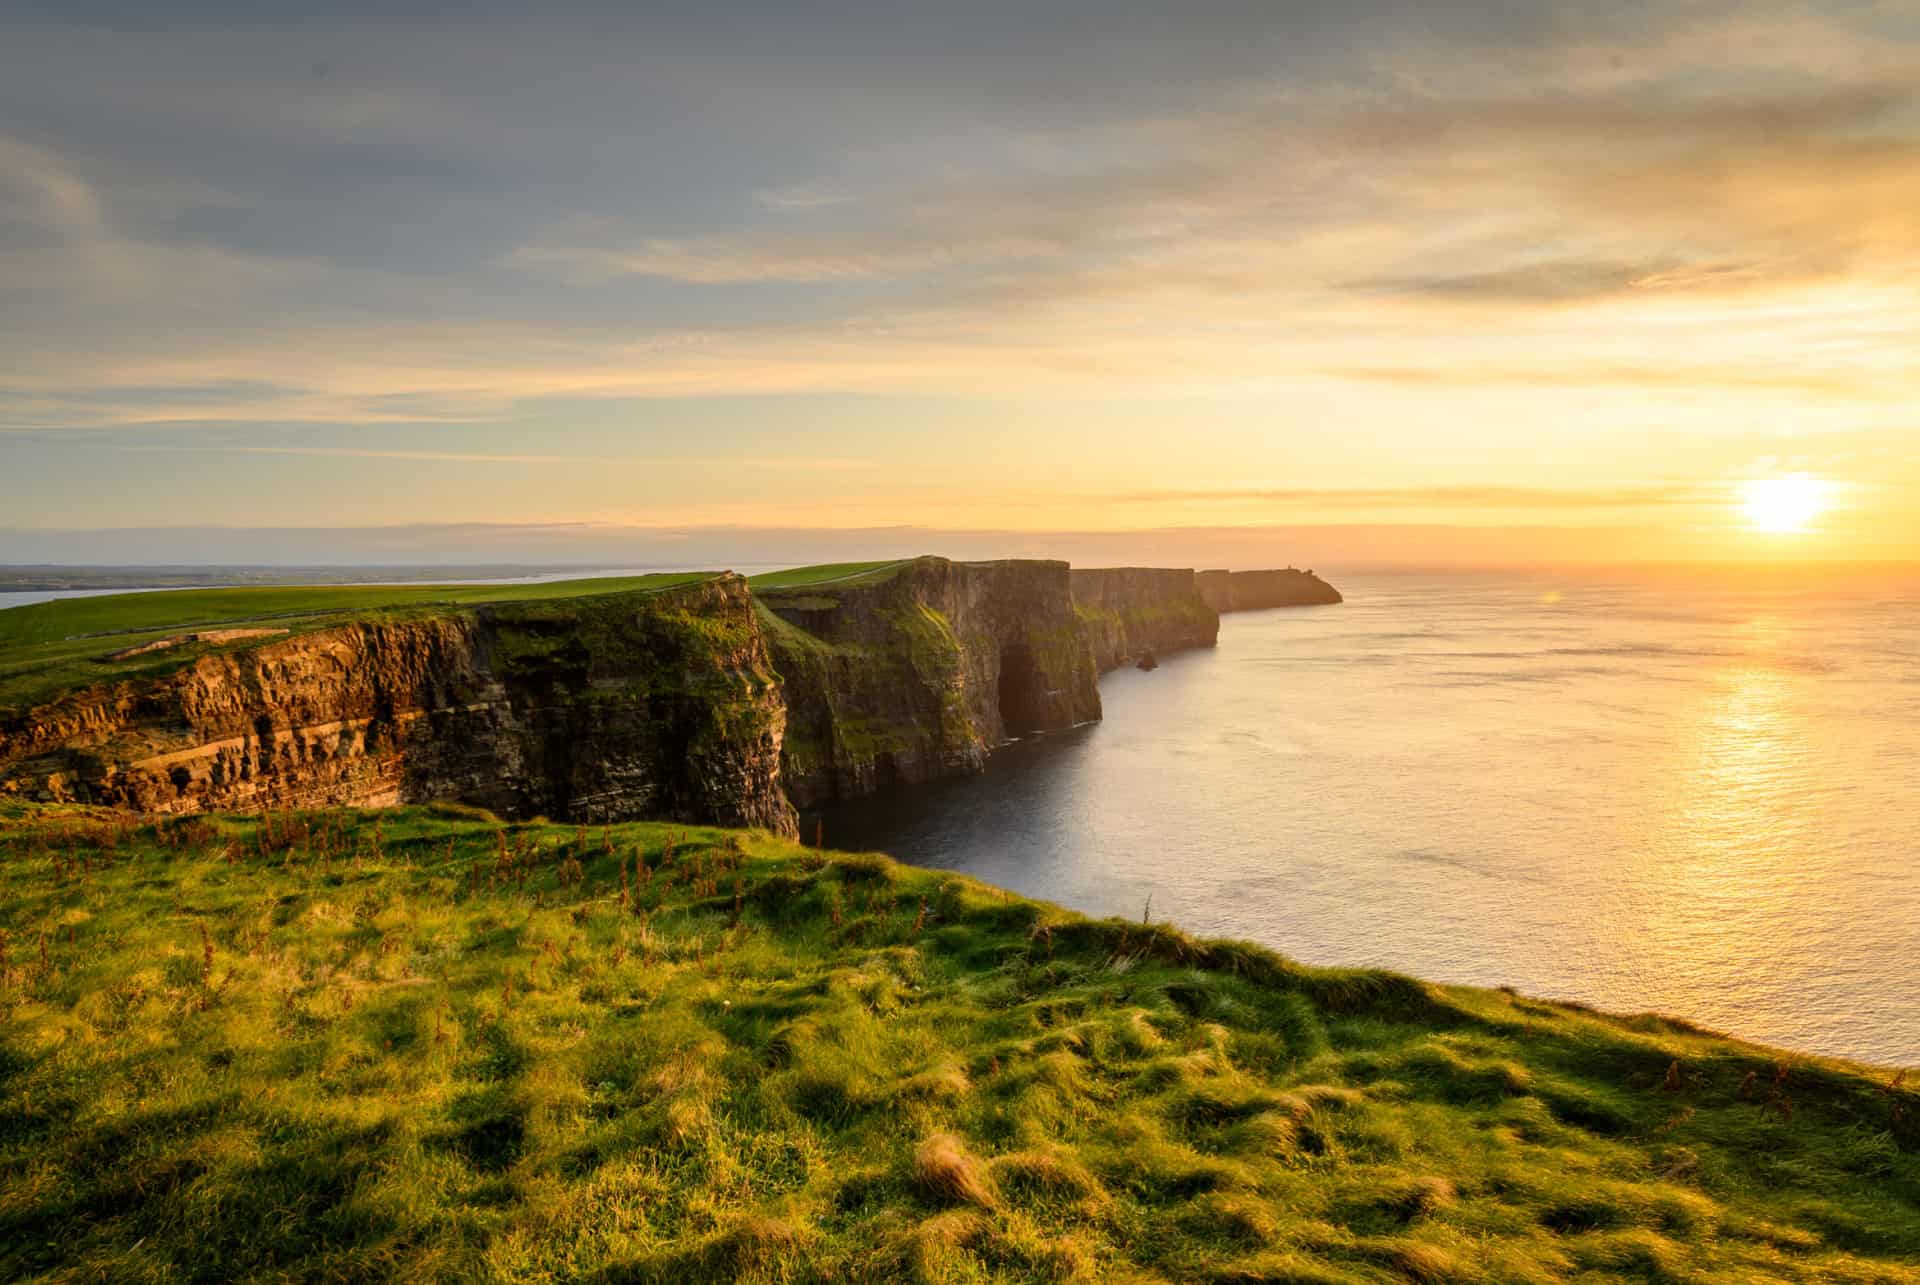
[(1076, 266)]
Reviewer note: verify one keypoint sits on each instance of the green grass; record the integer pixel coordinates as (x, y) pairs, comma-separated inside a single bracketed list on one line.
[(51, 646), (178, 609), (423, 1045), (837, 573)]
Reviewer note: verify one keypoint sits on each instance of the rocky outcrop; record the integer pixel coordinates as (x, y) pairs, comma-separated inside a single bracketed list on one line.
[(1134, 612), (1226, 591), (921, 673), (660, 704)]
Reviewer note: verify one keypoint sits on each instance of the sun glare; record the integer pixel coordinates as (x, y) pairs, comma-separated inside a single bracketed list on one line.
[(1783, 504)]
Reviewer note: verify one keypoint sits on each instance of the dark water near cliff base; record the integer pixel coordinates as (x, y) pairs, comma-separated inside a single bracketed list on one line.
[(1702, 800)]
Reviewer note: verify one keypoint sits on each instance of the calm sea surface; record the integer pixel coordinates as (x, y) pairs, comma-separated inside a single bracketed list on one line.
[(1697, 799)]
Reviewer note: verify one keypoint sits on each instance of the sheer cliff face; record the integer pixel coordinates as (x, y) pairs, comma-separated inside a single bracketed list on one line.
[(698, 703), (923, 673), (1256, 590), (593, 709), (1131, 611)]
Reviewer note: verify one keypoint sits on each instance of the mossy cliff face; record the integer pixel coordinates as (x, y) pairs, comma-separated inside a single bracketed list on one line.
[(656, 705), (920, 674), (1130, 612), (1256, 590)]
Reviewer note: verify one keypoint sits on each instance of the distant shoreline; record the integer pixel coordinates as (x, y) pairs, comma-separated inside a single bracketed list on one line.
[(132, 579)]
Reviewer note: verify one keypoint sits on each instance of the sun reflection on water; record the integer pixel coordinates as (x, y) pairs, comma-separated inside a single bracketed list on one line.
[(1728, 863)]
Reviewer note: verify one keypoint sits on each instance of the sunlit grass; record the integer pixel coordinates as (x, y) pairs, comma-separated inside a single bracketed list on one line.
[(424, 1045), (73, 642), (825, 573)]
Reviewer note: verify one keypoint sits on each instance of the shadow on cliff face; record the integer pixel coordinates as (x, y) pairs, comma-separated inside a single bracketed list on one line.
[(1023, 692)]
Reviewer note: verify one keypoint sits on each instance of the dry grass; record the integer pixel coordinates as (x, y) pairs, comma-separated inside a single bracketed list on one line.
[(946, 1171)]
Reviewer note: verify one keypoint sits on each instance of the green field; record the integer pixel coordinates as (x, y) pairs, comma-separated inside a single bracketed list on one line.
[(836, 573), (51, 646), (422, 1045)]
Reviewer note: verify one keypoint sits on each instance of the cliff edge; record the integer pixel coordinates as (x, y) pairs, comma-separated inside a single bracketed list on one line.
[(699, 697), (1133, 612), (919, 669), (1226, 591), (658, 704)]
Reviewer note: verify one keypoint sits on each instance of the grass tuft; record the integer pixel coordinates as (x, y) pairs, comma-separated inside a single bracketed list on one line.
[(1416, 1198), (1242, 1219), (946, 1171), (1043, 1173), (1412, 1259), (1285, 1269)]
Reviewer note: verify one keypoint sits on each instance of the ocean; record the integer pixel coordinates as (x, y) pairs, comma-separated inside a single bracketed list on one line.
[(1692, 795)]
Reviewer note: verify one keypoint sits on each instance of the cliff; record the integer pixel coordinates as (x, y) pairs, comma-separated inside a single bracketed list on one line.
[(921, 670), (1131, 612), (658, 704), (1226, 591), (687, 698)]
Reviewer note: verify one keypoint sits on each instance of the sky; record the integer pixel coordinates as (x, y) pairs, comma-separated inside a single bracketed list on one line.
[(1471, 280)]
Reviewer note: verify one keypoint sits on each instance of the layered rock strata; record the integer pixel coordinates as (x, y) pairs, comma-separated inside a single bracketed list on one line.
[(661, 704), (703, 703)]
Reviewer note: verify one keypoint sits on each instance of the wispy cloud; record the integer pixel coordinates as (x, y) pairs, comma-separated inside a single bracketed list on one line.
[(799, 198), (1678, 375), (36, 186), (1666, 193), (365, 453), (777, 258), (1261, 230), (1478, 498), (798, 464), (1553, 281)]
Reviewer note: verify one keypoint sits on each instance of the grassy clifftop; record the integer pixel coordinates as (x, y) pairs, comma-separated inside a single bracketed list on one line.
[(74, 642), (829, 573), (423, 1044)]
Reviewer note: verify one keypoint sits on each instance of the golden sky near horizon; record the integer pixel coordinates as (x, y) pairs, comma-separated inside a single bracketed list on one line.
[(1593, 270)]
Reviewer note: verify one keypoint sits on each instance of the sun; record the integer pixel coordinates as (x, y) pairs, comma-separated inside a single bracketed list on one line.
[(1783, 504)]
